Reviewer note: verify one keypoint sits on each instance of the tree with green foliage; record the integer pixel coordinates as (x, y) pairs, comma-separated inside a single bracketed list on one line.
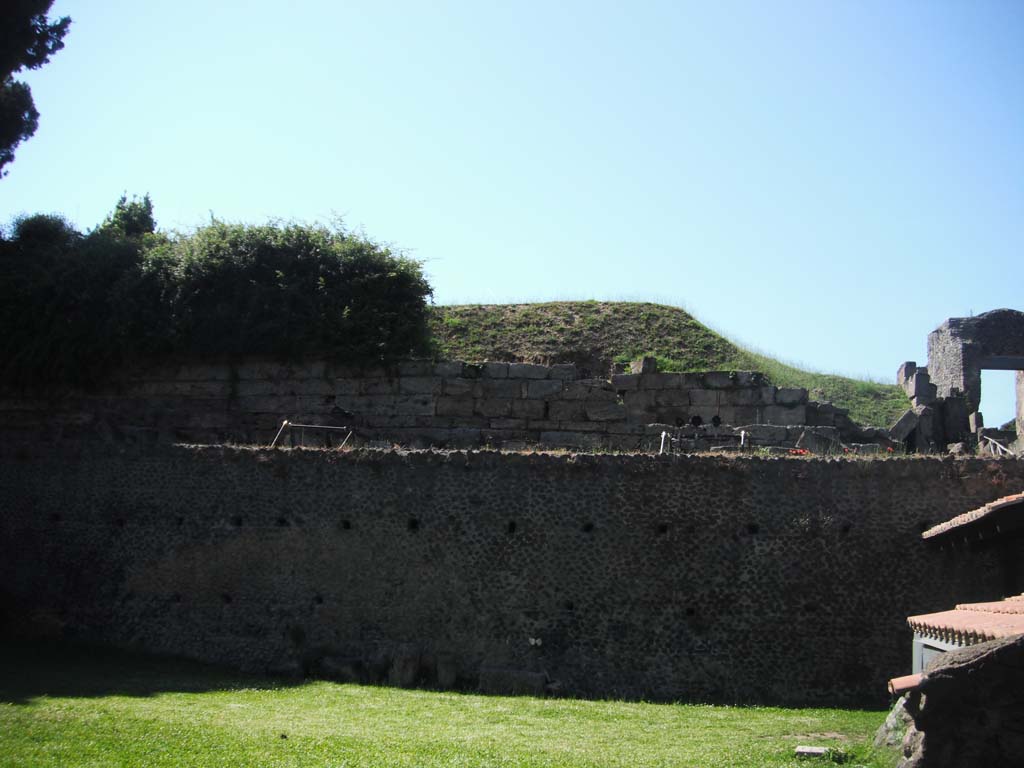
[(131, 218), (27, 41), (291, 290), (75, 306)]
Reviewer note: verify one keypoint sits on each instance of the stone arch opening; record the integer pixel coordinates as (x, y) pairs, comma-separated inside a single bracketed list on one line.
[(962, 347)]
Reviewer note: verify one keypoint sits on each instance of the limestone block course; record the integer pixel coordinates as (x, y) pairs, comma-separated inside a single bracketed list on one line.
[(518, 424), (567, 410), (417, 368), (448, 370), (493, 408), (640, 402), (379, 386), (494, 370), (704, 396), (269, 403), (419, 405), (745, 415), (687, 380), (170, 402), (416, 385), (588, 389), (581, 426), (721, 379), (501, 388), (625, 381), (672, 398), (571, 439), (791, 396), (379, 404), (528, 371), (545, 389), (529, 409), (705, 412), (564, 371), (460, 387), (661, 381), (778, 414), (605, 411), (341, 386), (545, 425)]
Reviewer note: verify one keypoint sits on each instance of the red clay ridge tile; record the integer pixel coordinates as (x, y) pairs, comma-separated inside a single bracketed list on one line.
[(903, 684), (972, 623), (1009, 605), (973, 515)]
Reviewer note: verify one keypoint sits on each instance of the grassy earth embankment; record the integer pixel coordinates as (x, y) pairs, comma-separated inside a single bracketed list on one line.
[(595, 334), (69, 708)]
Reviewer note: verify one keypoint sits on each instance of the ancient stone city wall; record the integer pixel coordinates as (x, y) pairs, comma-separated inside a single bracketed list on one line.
[(416, 403), (785, 581)]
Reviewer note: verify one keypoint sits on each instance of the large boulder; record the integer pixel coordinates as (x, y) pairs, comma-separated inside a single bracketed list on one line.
[(969, 709)]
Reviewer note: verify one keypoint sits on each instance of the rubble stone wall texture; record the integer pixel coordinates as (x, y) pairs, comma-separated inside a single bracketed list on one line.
[(416, 403), (783, 581)]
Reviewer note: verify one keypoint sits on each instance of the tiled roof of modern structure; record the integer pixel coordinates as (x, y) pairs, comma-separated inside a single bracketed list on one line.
[(971, 623), (974, 515)]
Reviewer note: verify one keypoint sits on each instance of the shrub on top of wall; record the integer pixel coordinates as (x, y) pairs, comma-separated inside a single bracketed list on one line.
[(70, 303), (74, 306), (289, 290)]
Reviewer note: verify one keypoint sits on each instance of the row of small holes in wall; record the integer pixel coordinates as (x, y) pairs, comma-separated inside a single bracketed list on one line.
[(413, 525), (228, 599)]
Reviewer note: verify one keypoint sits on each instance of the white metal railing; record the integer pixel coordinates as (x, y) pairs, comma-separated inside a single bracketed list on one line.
[(996, 448), (286, 424)]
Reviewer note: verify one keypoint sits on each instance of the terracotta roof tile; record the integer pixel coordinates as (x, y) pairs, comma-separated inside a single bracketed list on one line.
[(972, 623), (973, 515), (903, 684), (1009, 605)]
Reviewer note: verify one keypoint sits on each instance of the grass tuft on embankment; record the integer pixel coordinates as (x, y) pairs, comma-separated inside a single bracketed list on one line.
[(595, 334)]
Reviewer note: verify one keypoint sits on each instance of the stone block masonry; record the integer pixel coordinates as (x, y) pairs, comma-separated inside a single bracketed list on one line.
[(696, 577), (416, 403)]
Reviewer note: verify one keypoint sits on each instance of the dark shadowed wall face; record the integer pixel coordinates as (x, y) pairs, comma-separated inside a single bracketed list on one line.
[(781, 581), (415, 403)]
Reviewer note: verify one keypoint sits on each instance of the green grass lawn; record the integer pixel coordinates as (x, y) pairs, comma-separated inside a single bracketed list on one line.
[(67, 707)]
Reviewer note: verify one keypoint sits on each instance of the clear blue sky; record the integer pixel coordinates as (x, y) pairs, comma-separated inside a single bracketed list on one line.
[(824, 181)]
